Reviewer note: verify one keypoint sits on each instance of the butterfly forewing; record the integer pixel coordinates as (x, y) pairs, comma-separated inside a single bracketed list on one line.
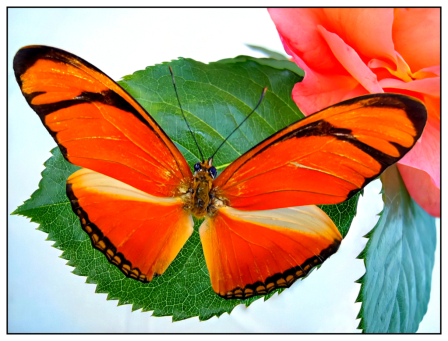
[(96, 123), (327, 157)]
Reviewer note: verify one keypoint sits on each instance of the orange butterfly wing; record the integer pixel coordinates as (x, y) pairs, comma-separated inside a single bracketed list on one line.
[(124, 197), (263, 241), (138, 232), (251, 253), (96, 123), (327, 157)]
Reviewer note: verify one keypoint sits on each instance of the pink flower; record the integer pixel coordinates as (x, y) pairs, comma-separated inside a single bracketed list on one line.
[(351, 52)]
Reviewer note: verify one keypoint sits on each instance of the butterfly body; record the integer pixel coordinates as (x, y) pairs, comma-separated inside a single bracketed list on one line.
[(135, 194), (201, 198)]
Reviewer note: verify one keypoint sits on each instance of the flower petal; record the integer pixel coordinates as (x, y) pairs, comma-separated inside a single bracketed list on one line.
[(422, 189), (433, 106), (416, 35), (351, 61), (298, 30), (428, 86), (428, 72), (426, 153), (367, 30), (317, 91), (401, 70)]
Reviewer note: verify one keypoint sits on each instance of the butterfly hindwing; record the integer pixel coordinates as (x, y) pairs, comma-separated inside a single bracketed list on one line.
[(139, 233), (251, 253)]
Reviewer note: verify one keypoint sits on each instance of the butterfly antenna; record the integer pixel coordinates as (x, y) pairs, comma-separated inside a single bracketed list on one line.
[(261, 98), (183, 115)]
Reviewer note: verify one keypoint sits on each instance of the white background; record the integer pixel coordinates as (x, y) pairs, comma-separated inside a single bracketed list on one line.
[(43, 294)]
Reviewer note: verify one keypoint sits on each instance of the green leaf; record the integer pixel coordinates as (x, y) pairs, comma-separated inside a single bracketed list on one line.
[(275, 63), (215, 98), (267, 52), (399, 259), (343, 213)]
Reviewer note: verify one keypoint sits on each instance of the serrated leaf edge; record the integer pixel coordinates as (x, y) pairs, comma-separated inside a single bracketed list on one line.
[(362, 255)]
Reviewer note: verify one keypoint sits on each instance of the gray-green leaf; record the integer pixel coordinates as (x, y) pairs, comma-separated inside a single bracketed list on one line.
[(399, 259)]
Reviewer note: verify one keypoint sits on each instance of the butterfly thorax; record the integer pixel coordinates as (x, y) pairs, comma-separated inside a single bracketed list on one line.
[(199, 195)]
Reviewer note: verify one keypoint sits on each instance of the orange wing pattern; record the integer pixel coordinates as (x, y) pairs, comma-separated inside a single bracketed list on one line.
[(327, 157), (124, 195), (138, 232), (96, 123), (253, 253)]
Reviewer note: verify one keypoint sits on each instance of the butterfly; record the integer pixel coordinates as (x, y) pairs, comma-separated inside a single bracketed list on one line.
[(135, 194)]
